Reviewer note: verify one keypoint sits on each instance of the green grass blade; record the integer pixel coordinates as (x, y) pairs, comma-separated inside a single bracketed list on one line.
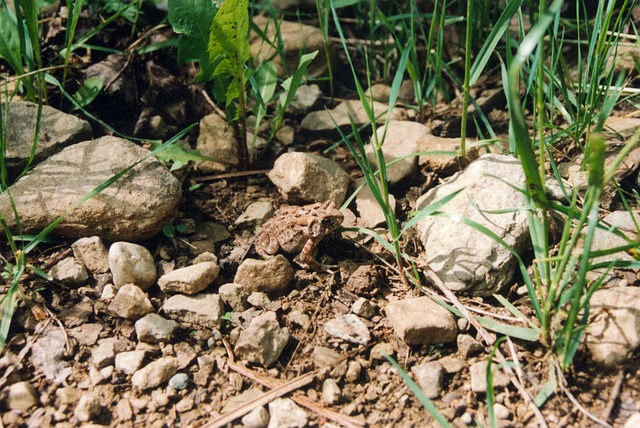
[(428, 404)]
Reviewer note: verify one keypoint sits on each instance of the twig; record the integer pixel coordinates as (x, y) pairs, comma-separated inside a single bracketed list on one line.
[(264, 399), (584, 411), (615, 393)]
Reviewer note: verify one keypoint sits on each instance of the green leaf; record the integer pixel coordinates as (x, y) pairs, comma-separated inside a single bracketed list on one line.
[(10, 42), (229, 45), (192, 20), (87, 92), (176, 154)]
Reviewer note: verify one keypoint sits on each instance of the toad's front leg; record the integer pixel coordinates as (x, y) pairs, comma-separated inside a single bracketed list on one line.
[(307, 259)]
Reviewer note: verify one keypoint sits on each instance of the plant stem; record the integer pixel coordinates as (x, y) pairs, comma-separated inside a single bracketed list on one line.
[(467, 75)]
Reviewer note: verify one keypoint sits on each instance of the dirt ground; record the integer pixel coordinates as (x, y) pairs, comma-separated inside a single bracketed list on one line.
[(377, 396)]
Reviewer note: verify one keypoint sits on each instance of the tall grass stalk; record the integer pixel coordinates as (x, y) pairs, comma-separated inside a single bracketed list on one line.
[(467, 77)]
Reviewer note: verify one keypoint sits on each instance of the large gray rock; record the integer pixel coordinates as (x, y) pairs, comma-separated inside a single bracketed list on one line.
[(465, 259), (57, 130), (135, 207)]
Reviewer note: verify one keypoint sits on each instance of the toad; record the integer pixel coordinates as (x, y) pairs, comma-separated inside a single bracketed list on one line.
[(298, 230)]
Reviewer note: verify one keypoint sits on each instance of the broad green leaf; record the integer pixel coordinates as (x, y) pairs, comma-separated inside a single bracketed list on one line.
[(87, 92), (229, 45), (176, 154), (10, 42), (192, 20)]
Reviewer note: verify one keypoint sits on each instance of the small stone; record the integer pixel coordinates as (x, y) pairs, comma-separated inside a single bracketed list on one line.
[(468, 346), (131, 264), (331, 392), (69, 271), (21, 396), (48, 356), (298, 318), (257, 418), (202, 309), (305, 98), (633, 421), (191, 279), (350, 328), (155, 374), (269, 276), (131, 303), (104, 354), (421, 321), (234, 295), (501, 411), (613, 331), (179, 381), (130, 362), (258, 299), (363, 308), (108, 292), (285, 413), (379, 351), (152, 328), (92, 253), (263, 341), (353, 371), (479, 377), (429, 377), (255, 214), (324, 356), (88, 407), (371, 214)]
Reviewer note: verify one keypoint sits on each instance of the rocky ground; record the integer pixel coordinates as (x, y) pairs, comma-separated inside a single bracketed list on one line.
[(159, 310)]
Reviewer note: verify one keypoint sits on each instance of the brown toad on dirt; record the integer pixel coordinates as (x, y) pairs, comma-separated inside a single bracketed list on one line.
[(295, 229)]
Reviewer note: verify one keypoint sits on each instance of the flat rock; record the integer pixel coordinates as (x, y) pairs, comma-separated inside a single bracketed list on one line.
[(256, 213), (57, 130), (130, 362), (69, 271), (104, 354), (202, 309), (350, 328), (189, 279), (155, 374), (285, 413), (131, 264), (131, 303), (135, 207), (304, 178), (152, 328), (400, 142), (263, 341), (48, 356), (92, 253), (326, 120), (465, 259), (421, 321), (613, 330), (269, 276), (604, 239)]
